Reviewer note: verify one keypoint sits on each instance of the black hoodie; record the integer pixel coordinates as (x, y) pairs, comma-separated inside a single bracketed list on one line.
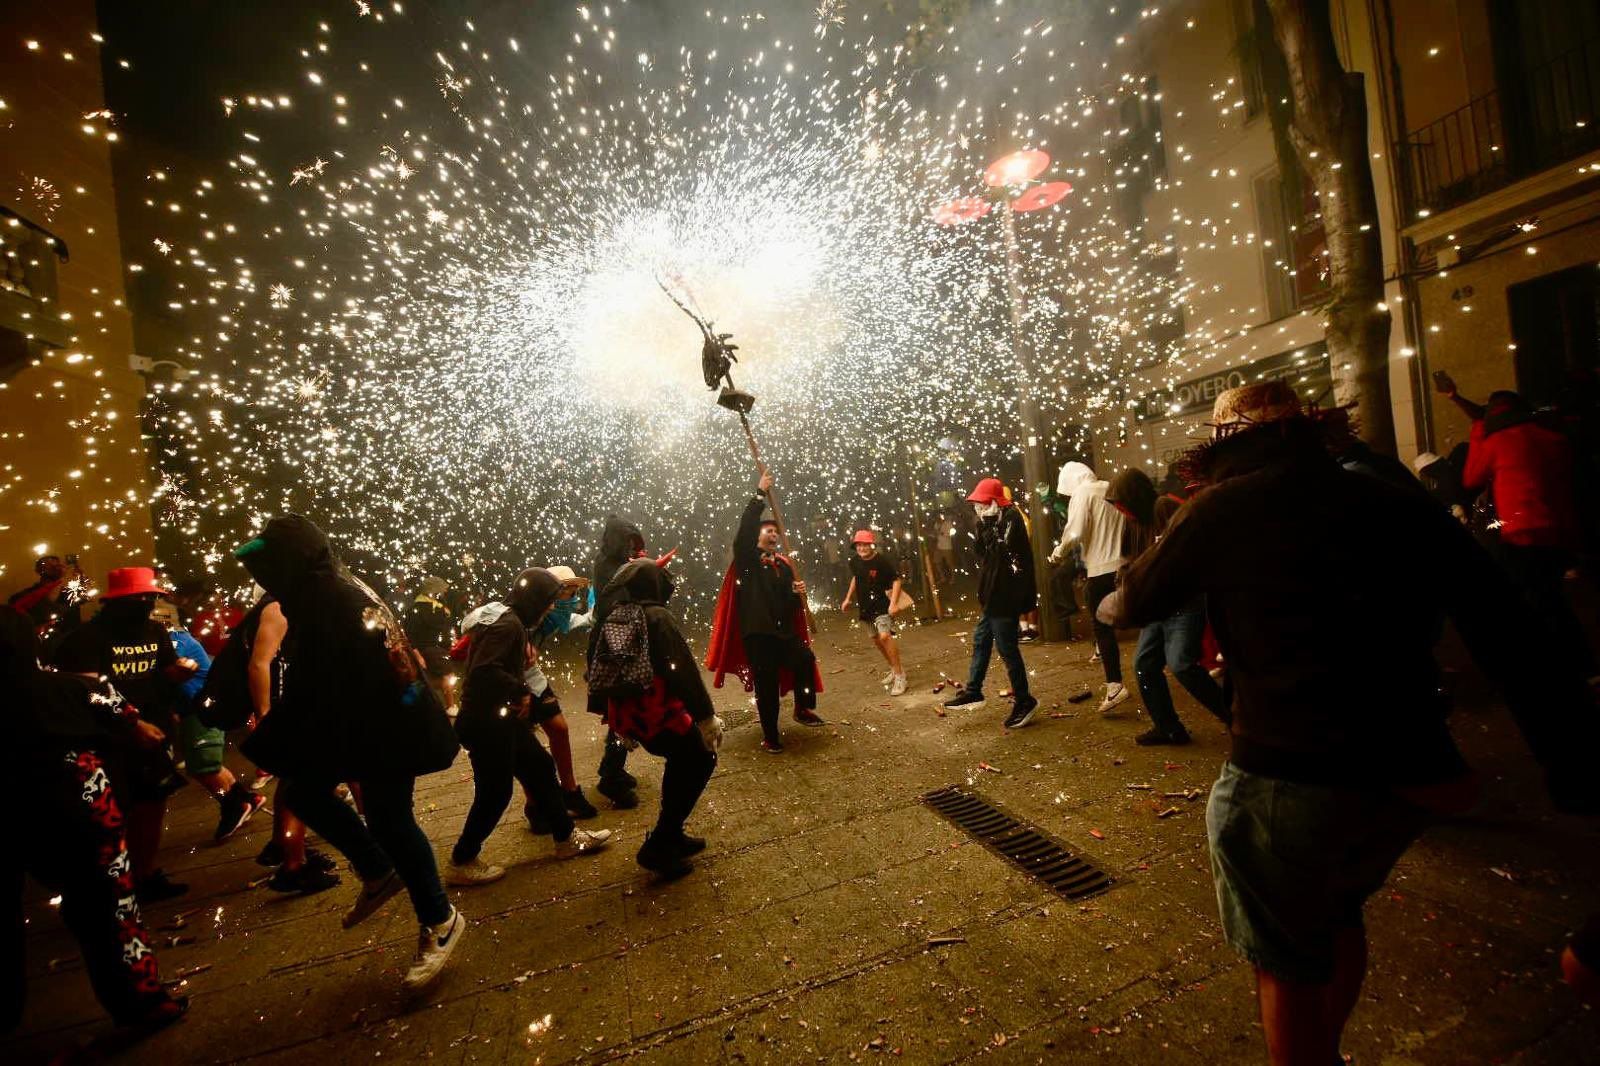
[(498, 660), (620, 541), (353, 705), (671, 659)]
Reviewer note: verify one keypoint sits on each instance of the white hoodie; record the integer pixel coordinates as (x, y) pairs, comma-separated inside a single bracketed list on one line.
[(1092, 523)]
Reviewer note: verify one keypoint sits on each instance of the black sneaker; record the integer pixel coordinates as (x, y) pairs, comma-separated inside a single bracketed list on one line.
[(627, 779), (663, 859), (622, 795), (688, 845), (577, 804), (306, 881), (772, 747), (320, 860), (272, 854), (237, 805), (158, 887), (808, 717), (1153, 737), (965, 698), (1027, 636), (1022, 713)]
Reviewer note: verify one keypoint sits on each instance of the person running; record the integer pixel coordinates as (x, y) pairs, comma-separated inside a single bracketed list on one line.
[(1006, 590), (127, 647), (261, 639), (1337, 763), (759, 631), (620, 541), (63, 733), (201, 745), (496, 727), (355, 707), (875, 581), (665, 709), (1095, 527), (1174, 643)]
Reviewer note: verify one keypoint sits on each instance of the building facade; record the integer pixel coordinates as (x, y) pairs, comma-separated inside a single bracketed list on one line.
[(73, 468)]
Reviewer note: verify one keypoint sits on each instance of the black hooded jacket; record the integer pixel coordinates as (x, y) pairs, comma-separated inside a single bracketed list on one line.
[(620, 540), (671, 659), (353, 706), (498, 660), (1006, 587)]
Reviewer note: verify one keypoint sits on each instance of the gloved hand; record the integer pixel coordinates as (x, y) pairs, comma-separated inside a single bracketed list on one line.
[(711, 730), (580, 621)]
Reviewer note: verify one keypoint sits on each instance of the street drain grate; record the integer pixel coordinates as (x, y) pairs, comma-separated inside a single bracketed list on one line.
[(1030, 850)]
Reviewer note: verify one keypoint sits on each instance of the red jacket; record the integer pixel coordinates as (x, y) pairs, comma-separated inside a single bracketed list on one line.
[(1530, 469)]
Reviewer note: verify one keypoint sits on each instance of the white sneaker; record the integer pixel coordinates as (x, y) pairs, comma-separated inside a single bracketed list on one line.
[(373, 896), (1116, 692), (1094, 657), (887, 678), (435, 943), (899, 686), (583, 842), (476, 872)]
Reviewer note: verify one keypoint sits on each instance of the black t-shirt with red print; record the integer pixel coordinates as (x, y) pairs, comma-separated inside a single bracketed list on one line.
[(875, 577)]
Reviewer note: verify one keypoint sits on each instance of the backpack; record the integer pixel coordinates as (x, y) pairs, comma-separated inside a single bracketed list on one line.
[(621, 666)]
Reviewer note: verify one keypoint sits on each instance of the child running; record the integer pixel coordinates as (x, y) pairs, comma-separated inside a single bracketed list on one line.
[(877, 581)]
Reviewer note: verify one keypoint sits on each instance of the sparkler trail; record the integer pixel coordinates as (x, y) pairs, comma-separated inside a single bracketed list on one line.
[(442, 337)]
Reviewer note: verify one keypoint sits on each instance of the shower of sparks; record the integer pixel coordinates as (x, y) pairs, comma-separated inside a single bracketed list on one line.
[(450, 344)]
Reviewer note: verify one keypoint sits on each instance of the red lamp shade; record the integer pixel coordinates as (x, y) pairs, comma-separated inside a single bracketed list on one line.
[(1041, 196), (1016, 168), (964, 209)]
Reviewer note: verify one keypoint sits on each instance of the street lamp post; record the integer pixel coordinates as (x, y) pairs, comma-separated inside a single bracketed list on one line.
[(1006, 174)]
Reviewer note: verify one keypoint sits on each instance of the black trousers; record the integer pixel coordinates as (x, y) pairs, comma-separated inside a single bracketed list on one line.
[(614, 762), (688, 769), (502, 752), (70, 839), (1105, 637), (1541, 573), (769, 655)]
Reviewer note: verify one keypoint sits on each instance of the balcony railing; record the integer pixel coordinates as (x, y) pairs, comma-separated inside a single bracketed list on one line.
[(1546, 117)]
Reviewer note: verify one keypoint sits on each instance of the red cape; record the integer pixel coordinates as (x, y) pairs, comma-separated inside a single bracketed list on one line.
[(725, 654)]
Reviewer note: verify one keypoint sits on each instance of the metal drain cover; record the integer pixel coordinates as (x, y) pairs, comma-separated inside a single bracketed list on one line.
[(1026, 847)]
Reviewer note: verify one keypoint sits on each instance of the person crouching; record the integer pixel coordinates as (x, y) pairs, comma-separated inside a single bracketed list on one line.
[(641, 664)]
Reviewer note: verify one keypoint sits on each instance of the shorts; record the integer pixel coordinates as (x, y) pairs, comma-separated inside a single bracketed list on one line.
[(882, 624), (200, 746), (1294, 863)]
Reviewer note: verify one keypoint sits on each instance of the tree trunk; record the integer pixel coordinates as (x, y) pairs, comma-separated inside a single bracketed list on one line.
[(1328, 129)]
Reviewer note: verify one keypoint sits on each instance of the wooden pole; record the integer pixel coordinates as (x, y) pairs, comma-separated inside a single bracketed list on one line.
[(777, 517)]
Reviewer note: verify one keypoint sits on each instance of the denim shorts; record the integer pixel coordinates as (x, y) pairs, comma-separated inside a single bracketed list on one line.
[(882, 625), (1294, 863)]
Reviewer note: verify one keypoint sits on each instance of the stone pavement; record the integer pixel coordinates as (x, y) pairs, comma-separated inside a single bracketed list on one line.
[(804, 934)]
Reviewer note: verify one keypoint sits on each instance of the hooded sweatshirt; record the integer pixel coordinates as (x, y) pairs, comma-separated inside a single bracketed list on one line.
[(1134, 494), (1093, 524), (498, 660), (677, 697), (354, 705)]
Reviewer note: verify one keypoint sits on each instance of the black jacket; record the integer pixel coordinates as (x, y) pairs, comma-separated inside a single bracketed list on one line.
[(767, 600), (671, 658), (353, 704), (1293, 556), (498, 660), (1006, 587)]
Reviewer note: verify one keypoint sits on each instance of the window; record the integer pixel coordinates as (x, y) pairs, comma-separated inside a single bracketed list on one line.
[(1293, 244)]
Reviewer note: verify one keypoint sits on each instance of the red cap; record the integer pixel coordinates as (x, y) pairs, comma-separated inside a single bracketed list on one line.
[(132, 581), (864, 536), (989, 490)]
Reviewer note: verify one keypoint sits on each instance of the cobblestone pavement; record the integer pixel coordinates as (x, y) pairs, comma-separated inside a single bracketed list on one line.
[(804, 935)]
